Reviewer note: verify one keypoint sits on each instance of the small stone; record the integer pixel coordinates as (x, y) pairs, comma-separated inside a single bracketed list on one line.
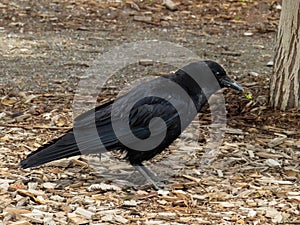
[(210, 42), (49, 185), (130, 203), (270, 64), (259, 46), (146, 62), (272, 163), (163, 193), (145, 19), (248, 34), (165, 24), (170, 5), (253, 74), (277, 6), (262, 100), (252, 213)]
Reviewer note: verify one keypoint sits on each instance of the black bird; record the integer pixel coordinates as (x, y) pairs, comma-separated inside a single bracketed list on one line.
[(142, 122)]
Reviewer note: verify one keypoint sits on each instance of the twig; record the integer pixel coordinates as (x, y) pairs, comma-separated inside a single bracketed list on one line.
[(192, 178), (197, 180), (28, 127)]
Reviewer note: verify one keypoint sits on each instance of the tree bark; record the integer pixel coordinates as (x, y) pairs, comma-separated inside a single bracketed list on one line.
[(284, 87)]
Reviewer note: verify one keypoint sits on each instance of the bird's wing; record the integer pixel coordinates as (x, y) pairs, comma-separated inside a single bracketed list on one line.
[(138, 107), (99, 114), (139, 119)]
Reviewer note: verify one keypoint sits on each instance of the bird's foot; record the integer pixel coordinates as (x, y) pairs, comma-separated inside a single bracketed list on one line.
[(150, 177)]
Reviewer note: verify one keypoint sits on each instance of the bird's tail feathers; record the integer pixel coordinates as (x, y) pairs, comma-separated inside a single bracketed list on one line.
[(58, 148)]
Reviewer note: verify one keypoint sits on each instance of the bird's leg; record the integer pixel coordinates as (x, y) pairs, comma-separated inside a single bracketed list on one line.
[(147, 174)]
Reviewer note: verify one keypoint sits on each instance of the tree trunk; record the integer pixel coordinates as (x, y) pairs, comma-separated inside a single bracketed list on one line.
[(284, 89)]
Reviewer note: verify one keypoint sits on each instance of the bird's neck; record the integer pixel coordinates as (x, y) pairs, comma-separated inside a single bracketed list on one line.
[(198, 94)]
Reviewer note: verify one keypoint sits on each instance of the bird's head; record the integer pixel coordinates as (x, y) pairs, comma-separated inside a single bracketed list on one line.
[(221, 76)]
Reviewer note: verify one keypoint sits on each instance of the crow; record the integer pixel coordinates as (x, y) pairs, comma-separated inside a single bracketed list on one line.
[(141, 123)]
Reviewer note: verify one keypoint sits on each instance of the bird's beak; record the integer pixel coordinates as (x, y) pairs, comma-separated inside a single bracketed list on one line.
[(232, 84), (235, 85)]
